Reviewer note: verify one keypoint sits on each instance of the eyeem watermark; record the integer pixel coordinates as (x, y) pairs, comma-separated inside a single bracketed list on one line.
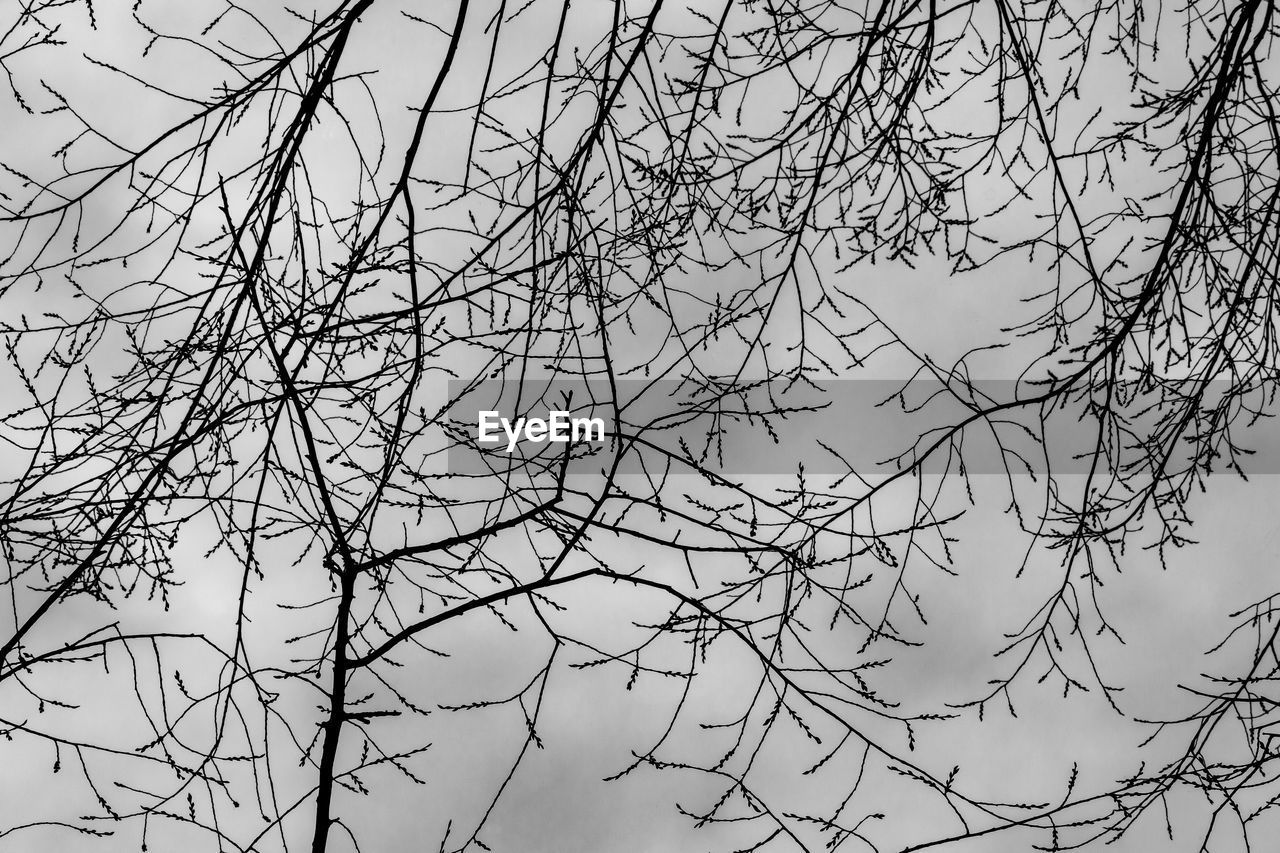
[(558, 427)]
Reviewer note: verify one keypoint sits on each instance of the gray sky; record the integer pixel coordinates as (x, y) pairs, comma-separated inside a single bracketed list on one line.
[(590, 722)]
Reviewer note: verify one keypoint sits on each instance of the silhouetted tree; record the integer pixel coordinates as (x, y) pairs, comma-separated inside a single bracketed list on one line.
[(258, 566)]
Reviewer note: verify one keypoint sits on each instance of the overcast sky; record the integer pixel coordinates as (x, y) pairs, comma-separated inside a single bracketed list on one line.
[(1169, 607)]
